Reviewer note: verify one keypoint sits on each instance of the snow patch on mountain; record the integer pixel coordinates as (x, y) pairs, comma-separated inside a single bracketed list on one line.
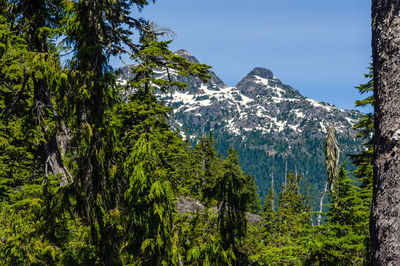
[(260, 102), (318, 104)]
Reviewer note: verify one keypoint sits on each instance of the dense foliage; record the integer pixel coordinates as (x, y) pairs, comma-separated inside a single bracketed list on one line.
[(91, 173)]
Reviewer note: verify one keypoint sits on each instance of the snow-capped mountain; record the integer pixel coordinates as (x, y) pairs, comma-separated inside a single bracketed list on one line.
[(270, 123)]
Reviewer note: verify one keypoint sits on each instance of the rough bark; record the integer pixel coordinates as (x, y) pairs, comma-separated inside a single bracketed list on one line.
[(385, 215), (48, 150)]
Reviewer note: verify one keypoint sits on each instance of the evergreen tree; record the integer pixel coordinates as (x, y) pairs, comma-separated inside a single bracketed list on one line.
[(292, 209), (95, 32), (151, 153), (18, 134), (385, 225), (351, 215), (39, 22), (147, 178), (269, 213), (364, 160), (341, 238), (208, 164), (286, 232), (29, 157), (202, 242), (90, 169), (135, 169), (232, 201), (254, 205), (365, 128)]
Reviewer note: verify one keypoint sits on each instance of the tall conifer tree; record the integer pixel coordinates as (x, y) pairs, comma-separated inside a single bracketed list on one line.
[(385, 225), (233, 198)]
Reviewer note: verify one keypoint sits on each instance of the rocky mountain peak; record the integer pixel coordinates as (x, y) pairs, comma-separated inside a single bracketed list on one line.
[(214, 83), (261, 82), (185, 54), (267, 121), (261, 72)]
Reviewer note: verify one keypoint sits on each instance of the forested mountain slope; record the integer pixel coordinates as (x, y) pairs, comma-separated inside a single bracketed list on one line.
[(273, 127)]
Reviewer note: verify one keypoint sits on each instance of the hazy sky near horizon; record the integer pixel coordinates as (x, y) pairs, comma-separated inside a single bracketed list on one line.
[(321, 48)]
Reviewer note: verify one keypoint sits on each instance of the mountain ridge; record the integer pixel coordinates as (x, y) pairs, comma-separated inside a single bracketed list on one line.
[(273, 127)]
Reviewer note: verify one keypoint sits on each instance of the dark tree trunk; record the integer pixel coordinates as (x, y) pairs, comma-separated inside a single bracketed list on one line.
[(48, 150), (385, 215)]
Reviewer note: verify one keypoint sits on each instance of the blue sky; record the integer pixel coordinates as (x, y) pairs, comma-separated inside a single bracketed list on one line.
[(322, 48)]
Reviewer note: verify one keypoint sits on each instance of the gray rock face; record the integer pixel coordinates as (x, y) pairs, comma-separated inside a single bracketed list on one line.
[(190, 205), (260, 103), (214, 83), (261, 82), (187, 55), (262, 73)]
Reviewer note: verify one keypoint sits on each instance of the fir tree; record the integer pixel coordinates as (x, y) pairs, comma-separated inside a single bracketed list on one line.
[(208, 164), (232, 201), (364, 160), (292, 209), (269, 213), (341, 239), (254, 205), (365, 128), (285, 234)]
